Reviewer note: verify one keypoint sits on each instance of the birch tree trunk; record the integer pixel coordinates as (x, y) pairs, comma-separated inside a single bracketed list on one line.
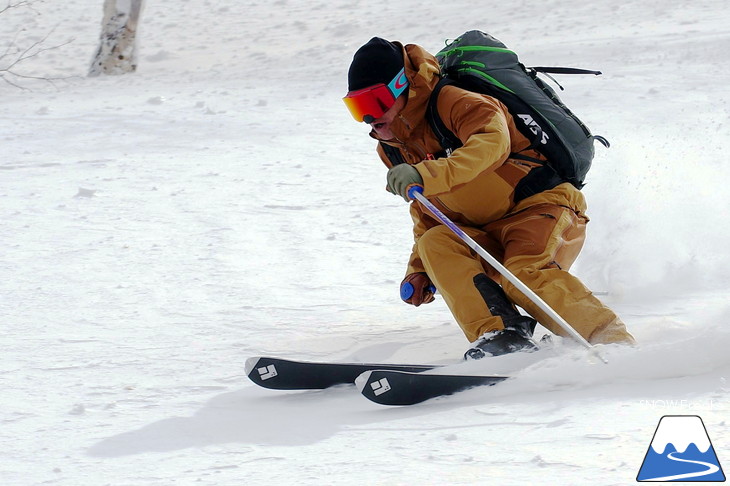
[(117, 52)]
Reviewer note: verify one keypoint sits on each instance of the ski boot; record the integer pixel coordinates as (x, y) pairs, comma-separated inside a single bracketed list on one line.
[(504, 341), (517, 333)]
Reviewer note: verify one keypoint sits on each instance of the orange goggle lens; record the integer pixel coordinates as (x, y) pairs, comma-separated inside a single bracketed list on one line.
[(370, 103)]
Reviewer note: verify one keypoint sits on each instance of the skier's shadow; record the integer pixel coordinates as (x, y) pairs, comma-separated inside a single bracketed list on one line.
[(260, 417)]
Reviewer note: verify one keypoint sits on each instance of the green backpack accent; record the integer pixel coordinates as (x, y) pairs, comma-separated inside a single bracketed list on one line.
[(478, 62)]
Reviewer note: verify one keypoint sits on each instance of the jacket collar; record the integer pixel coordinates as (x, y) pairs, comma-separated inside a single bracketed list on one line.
[(422, 71)]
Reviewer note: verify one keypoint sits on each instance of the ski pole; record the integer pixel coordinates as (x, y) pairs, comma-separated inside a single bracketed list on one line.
[(416, 193)]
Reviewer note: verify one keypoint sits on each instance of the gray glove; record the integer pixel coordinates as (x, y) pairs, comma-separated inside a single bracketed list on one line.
[(401, 178)]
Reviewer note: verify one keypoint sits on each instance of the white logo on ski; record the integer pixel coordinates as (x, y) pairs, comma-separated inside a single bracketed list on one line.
[(267, 372), (534, 128), (381, 386)]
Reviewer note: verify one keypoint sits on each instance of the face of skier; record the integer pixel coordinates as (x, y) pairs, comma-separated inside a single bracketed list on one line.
[(381, 126), (379, 104)]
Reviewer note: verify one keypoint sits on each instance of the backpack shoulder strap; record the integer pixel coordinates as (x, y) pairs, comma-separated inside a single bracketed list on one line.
[(393, 154), (448, 140)]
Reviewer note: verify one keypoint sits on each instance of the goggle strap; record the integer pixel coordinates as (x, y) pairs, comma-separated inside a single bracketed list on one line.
[(399, 83)]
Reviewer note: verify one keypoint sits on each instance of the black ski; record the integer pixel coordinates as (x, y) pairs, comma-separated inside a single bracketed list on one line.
[(393, 387), (284, 374)]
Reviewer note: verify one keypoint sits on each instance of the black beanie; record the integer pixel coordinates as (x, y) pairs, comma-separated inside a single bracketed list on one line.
[(378, 61)]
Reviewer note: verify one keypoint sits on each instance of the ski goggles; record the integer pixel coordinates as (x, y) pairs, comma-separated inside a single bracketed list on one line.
[(371, 103)]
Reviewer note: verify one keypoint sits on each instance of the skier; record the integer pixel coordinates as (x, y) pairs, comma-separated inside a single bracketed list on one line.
[(537, 238)]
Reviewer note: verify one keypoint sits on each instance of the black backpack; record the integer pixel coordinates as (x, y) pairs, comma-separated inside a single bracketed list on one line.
[(478, 62)]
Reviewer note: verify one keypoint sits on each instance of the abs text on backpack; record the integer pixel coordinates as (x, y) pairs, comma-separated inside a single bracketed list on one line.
[(478, 62)]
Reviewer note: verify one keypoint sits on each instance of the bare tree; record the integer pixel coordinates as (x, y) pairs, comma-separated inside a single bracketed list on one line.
[(117, 52), (13, 55), (21, 3)]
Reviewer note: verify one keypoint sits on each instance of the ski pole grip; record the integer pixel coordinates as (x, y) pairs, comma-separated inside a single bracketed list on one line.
[(413, 190), (407, 290)]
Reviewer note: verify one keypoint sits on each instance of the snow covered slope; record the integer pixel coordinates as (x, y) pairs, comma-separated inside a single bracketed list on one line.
[(157, 229)]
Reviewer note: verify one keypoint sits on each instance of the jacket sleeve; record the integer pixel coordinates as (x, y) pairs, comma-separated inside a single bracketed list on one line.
[(480, 121)]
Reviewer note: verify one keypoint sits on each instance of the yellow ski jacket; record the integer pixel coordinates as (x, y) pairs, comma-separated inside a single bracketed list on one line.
[(475, 185)]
